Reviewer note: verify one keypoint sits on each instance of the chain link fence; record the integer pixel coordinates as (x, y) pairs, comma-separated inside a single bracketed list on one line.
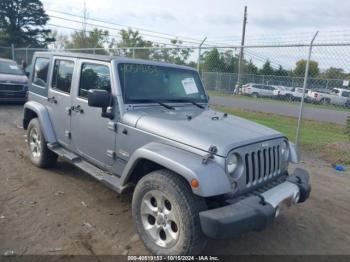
[(5, 52), (269, 88)]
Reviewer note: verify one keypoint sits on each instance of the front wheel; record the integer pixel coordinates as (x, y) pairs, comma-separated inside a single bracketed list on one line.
[(166, 214), (39, 153), (255, 95)]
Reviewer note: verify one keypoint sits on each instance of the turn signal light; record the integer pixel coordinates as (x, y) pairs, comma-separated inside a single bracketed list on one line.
[(194, 183)]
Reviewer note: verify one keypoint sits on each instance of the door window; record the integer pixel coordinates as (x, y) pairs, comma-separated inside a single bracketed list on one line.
[(346, 94), (41, 67), (94, 76), (62, 75)]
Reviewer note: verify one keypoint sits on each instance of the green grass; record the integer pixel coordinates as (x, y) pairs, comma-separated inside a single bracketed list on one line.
[(271, 100), (320, 138)]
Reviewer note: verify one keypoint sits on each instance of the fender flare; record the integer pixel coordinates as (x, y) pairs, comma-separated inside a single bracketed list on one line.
[(44, 119), (212, 178)]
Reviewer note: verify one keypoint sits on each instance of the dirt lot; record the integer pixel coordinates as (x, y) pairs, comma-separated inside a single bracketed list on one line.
[(64, 211)]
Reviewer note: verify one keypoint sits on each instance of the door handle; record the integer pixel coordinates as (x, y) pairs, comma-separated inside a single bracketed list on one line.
[(52, 100), (77, 109)]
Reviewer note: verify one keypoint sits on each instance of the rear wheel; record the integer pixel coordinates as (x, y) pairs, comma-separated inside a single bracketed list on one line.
[(39, 154), (325, 101), (289, 98), (166, 214)]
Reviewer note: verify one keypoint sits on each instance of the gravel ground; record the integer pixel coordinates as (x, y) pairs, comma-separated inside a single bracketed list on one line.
[(64, 211)]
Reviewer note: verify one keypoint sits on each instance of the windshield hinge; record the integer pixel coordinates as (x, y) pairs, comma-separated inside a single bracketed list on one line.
[(212, 151)]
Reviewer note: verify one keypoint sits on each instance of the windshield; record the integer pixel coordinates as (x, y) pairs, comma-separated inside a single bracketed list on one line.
[(7, 67), (143, 83)]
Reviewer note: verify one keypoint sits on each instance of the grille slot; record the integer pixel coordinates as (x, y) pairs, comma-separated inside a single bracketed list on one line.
[(11, 88), (262, 164)]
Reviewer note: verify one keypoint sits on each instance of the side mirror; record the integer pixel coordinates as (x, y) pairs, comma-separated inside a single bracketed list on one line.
[(99, 98), (102, 99), (208, 98)]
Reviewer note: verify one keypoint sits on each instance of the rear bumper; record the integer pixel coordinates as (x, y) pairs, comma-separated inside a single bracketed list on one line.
[(255, 212)]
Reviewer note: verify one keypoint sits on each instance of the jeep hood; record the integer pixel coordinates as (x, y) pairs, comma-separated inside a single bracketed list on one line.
[(199, 128)]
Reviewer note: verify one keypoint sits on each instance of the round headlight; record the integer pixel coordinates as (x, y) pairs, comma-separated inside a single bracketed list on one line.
[(285, 150), (232, 163)]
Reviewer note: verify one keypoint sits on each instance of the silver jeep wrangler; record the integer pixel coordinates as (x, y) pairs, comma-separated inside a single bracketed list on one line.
[(196, 173)]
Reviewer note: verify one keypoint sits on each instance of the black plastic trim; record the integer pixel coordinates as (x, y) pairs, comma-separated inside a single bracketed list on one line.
[(250, 213)]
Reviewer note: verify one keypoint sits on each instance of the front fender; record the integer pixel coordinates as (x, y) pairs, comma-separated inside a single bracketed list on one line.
[(211, 176), (44, 119)]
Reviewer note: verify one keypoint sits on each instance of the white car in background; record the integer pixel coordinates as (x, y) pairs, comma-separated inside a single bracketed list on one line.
[(290, 93), (335, 96), (258, 90)]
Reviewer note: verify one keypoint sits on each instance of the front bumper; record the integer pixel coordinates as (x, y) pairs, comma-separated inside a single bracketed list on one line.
[(255, 212), (18, 96)]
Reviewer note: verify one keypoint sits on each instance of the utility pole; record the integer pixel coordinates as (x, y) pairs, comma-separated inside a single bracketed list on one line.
[(84, 20), (239, 78)]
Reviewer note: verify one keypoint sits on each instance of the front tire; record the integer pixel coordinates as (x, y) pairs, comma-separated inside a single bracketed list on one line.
[(166, 214), (39, 154), (255, 95)]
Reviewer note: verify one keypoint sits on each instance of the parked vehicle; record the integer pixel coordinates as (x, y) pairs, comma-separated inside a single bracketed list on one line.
[(290, 93), (13, 82), (335, 96), (258, 90), (196, 172)]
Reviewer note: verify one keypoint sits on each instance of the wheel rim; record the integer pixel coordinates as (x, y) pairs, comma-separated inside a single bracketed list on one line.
[(160, 219), (34, 143)]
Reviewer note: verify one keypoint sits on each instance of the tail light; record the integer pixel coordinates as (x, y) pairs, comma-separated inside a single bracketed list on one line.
[(279, 92), (315, 95)]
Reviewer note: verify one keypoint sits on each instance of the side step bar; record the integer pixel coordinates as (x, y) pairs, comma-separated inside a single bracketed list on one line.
[(110, 180)]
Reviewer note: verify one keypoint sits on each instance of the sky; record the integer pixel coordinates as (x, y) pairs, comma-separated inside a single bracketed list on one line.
[(271, 22), (219, 20)]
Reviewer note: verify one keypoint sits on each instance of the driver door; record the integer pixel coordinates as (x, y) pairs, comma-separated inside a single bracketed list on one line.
[(91, 137)]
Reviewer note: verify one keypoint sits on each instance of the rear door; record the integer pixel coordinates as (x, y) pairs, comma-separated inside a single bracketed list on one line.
[(92, 135), (59, 98), (269, 90), (263, 90)]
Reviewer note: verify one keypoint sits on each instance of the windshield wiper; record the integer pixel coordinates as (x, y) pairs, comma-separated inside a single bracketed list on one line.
[(187, 101), (153, 101)]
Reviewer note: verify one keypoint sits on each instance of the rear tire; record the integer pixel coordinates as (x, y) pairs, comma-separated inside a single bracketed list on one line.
[(166, 214), (325, 101), (39, 154), (289, 98)]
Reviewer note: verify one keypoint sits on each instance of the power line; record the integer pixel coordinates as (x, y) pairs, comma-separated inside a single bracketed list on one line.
[(111, 28), (112, 35), (196, 41)]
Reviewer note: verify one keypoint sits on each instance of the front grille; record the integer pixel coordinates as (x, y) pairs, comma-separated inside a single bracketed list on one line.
[(262, 164), (11, 88)]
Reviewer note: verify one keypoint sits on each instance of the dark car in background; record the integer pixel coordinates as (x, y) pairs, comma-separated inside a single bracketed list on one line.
[(13, 82)]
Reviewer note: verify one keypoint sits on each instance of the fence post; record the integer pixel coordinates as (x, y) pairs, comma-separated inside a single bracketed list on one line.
[(13, 51), (303, 94), (26, 54), (199, 53), (217, 80)]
